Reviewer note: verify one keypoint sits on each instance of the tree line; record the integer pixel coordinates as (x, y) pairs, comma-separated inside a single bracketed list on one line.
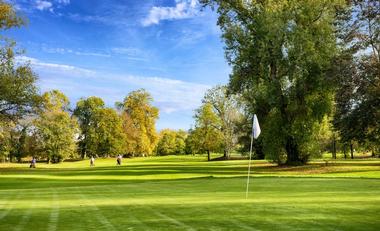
[(310, 70)]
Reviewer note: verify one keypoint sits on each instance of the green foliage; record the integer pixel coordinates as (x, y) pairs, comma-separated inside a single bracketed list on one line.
[(139, 122), (281, 52), (357, 72), (206, 136), (85, 111), (18, 93), (171, 142), (227, 109), (106, 136), (55, 128), (5, 138)]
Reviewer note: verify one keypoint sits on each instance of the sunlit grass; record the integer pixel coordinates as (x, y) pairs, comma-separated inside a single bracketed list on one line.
[(188, 193)]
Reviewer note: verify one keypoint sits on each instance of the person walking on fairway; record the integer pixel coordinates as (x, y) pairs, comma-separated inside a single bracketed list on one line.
[(92, 161), (33, 163), (118, 159)]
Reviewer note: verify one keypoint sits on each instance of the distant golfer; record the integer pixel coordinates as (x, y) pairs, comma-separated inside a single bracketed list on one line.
[(92, 161), (118, 159), (33, 163)]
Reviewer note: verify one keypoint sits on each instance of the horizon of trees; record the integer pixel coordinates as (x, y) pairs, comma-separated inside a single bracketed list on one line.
[(309, 70)]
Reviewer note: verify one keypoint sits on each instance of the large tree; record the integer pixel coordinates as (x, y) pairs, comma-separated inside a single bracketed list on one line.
[(227, 109), (55, 127), (106, 135), (85, 113), (280, 52), (357, 71), (139, 121), (18, 93)]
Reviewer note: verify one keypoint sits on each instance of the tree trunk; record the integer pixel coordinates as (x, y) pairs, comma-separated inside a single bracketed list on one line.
[(334, 147), (48, 160), (18, 158), (225, 155), (292, 152), (344, 151), (208, 155), (83, 155), (352, 150)]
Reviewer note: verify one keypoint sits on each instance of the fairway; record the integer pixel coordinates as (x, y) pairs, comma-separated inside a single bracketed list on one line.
[(187, 193)]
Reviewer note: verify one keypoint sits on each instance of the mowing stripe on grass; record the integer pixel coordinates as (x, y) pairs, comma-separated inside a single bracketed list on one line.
[(243, 226), (164, 216), (98, 214), (54, 213), (121, 209), (8, 206), (170, 219), (26, 217)]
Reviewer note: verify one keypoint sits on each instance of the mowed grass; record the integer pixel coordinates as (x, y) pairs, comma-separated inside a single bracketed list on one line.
[(188, 193)]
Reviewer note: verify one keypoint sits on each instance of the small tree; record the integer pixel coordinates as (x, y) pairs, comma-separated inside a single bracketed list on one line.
[(227, 109), (206, 135)]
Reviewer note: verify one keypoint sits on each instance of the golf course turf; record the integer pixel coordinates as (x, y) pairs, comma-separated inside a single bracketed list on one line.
[(188, 193)]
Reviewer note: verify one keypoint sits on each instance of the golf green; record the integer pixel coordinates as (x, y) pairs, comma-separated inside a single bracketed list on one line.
[(188, 193)]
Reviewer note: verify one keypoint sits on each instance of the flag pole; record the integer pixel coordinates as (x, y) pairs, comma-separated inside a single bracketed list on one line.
[(249, 163)]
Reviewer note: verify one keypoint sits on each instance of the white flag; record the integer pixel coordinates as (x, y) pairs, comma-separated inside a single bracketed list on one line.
[(256, 127)]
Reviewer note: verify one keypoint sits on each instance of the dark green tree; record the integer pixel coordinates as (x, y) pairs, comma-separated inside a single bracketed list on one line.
[(85, 111), (357, 72)]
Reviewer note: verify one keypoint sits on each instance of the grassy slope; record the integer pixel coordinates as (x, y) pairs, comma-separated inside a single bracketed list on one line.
[(186, 193)]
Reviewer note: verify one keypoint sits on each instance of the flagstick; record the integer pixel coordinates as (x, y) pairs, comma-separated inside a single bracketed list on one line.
[(249, 164)]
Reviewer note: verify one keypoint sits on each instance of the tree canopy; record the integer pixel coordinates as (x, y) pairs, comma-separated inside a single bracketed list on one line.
[(226, 107), (18, 92), (85, 113), (357, 71), (55, 127), (281, 52), (139, 119)]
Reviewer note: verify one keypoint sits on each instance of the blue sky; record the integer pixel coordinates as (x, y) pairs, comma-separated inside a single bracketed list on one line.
[(109, 48)]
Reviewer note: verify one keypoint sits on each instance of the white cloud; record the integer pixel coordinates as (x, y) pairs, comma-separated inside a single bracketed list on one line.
[(182, 9), (50, 5), (43, 5), (39, 65), (131, 53), (88, 18), (92, 54), (126, 51), (170, 95), (63, 2), (59, 50)]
